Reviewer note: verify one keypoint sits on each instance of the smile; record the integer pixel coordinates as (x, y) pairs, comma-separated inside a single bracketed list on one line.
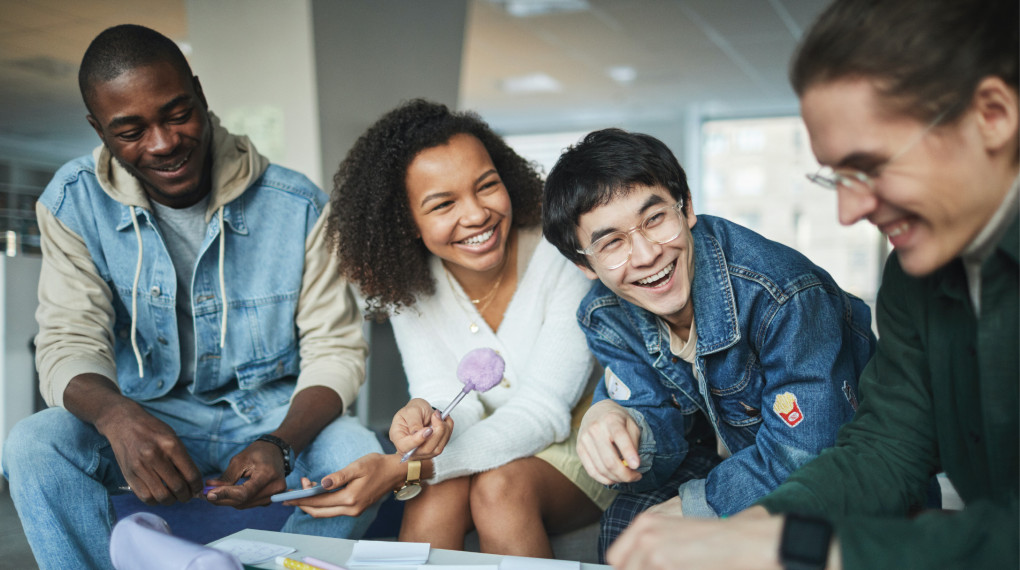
[(480, 238), (653, 280), (173, 167), (896, 229)]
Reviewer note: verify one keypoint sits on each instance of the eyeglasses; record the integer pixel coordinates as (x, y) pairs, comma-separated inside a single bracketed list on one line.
[(858, 181), (661, 226)]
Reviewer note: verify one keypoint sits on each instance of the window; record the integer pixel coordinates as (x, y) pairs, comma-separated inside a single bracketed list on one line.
[(753, 174)]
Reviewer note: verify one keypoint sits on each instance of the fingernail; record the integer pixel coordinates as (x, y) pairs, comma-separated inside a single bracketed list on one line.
[(427, 432), (327, 482)]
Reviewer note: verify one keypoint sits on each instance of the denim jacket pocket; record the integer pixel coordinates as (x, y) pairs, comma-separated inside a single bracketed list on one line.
[(255, 373)]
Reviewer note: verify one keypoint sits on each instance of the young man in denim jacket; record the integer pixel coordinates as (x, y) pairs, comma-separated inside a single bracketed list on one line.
[(695, 317), (192, 320)]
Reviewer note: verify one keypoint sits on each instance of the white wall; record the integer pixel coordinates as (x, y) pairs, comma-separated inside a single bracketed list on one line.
[(255, 61), (19, 279)]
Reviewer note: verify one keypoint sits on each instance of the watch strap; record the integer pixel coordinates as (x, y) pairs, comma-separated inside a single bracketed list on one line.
[(285, 448)]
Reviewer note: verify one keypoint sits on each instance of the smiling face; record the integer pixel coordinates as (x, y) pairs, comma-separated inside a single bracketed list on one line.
[(937, 194), (154, 121), (459, 205), (657, 277)]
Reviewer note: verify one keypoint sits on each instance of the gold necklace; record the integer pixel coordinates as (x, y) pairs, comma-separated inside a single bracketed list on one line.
[(485, 300)]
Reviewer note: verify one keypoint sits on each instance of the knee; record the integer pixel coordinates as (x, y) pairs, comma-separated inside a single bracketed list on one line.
[(36, 439), (501, 492)]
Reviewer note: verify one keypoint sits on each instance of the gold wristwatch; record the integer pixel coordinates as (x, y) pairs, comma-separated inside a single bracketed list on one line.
[(412, 486)]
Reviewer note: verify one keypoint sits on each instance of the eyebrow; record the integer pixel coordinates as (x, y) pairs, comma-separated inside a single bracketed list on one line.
[(117, 122), (441, 195), (653, 200), (858, 158)]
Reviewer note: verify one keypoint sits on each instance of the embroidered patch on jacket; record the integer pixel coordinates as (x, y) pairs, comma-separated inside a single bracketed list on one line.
[(615, 387), (787, 408)]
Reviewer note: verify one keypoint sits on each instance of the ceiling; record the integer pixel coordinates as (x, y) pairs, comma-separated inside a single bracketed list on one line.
[(668, 56)]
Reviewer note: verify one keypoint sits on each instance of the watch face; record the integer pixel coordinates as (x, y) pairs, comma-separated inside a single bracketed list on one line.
[(408, 491)]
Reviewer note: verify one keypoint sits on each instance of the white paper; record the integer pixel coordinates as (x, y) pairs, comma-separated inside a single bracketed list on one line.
[(388, 553), (459, 567), (523, 563), (252, 551)]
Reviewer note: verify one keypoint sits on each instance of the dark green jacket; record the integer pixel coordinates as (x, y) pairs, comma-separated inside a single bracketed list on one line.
[(940, 394)]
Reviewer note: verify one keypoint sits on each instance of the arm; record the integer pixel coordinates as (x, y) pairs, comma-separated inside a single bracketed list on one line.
[(77, 371), (552, 366), (660, 426), (813, 372), (332, 351)]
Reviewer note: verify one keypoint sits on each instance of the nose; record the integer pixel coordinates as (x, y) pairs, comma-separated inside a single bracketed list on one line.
[(162, 140), (475, 213), (854, 205), (642, 251)]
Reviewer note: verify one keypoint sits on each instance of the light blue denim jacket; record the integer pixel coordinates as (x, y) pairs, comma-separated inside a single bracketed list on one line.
[(268, 213), (769, 322)]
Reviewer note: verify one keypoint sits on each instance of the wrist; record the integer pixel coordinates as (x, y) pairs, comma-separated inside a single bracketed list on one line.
[(285, 449)]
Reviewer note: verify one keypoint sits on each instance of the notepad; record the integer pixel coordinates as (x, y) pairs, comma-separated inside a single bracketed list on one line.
[(523, 563), (251, 551), (387, 553)]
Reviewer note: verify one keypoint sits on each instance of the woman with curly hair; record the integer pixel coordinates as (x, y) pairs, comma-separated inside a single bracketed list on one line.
[(438, 223)]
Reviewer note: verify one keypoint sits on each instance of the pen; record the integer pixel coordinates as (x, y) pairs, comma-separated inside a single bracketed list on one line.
[(294, 564), (322, 563)]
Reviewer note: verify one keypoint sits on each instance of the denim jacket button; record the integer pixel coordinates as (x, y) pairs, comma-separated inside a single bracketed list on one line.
[(154, 291), (674, 360), (159, 384), (161, 340)]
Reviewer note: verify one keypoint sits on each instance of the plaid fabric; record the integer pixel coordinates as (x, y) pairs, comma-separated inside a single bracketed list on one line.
[(699, 461)]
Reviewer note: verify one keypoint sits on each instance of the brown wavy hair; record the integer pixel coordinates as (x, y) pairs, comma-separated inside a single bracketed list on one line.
[(370, 226)]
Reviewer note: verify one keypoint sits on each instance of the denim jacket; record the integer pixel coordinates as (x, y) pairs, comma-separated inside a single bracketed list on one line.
[(272, 279), (779, 349)]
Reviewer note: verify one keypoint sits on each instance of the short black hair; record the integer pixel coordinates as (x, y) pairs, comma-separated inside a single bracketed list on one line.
[(370, 224), (604, 165), (925, 56), (122, 48)]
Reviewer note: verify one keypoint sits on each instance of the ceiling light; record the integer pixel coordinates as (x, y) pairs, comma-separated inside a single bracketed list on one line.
[(533, 83), (623, 74), (527, 8)]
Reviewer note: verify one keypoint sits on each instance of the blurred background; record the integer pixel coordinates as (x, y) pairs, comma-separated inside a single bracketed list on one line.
[(303, 78)]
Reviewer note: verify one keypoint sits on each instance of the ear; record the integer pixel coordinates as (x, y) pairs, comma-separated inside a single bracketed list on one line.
[(587, 271), (197, 85), (996, 107), (96, 127)]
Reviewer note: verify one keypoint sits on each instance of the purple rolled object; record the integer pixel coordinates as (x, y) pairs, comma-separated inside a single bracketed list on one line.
[(481, 369)]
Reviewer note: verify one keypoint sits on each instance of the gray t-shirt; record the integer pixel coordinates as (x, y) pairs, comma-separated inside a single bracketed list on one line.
[(183, 230)]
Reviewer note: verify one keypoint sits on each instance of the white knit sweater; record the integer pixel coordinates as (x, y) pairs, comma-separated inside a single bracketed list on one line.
[(548, 364)]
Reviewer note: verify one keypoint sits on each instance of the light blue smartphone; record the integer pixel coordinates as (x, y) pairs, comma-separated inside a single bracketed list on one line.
[(298, 494)]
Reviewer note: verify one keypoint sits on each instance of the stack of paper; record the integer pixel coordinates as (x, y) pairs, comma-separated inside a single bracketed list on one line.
[(386, 553)]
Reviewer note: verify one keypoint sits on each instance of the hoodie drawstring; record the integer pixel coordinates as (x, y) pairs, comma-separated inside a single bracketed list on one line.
[(134, 296), (223, 286)]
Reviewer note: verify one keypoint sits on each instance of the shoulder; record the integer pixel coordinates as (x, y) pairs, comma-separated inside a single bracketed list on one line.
[(750, 256), (292, 184), (76, 177)]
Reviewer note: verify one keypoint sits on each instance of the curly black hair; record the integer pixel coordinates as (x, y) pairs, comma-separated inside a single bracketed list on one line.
[(370, 226)]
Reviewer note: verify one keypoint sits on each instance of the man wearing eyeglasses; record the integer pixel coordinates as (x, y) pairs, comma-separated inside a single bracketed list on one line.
[(913, 108), (730, 360)]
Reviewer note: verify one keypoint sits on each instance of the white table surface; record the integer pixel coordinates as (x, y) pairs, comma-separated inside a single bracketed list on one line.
[(338, 550)]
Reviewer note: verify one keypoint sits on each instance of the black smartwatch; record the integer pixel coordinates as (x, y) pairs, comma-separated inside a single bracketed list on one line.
[(805, 542), (285, 448)]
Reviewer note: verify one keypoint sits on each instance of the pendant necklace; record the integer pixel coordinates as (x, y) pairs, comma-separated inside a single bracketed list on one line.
[(480, 303)]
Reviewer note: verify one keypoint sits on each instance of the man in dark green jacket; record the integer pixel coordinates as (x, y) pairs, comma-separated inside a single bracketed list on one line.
[(912, 107)]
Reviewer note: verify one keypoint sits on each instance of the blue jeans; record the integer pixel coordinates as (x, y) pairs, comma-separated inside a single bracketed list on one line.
[(61, 472)]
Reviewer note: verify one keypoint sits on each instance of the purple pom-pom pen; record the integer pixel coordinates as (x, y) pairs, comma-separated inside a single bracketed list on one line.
[(479, 370)]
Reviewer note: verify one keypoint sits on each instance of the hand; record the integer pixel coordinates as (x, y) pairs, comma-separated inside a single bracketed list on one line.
[(662, 542), (367, 480), (151, 457), (607, 438), (262, 464), (672, 507), (418, 425)]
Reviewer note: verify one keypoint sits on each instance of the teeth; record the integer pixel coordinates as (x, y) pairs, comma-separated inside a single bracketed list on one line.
[(898, 229), (653, 278), (480, 238), (174, 167)]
